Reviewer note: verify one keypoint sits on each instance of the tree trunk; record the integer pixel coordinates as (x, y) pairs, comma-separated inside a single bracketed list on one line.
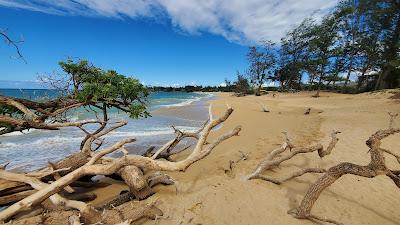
[(334, 173), (136, 182), (380, 84), (74, 161), (4, 200), (350, 69), (319, 87), (361, 79), (391, 55), (258, 92)]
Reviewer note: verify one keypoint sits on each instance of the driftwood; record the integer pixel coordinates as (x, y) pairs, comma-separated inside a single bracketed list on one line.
[(49, 182), (166, 150), (7, 199), (263, 107), (272, 160), (376, 167), (134, 178), (125, 196), (130, 211)]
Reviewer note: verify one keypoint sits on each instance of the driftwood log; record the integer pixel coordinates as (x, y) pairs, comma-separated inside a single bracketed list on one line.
[(50, 182), (273, 160), (376, 167)]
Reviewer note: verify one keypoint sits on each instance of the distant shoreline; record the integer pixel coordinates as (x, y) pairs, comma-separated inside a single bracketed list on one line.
[(33, 149)]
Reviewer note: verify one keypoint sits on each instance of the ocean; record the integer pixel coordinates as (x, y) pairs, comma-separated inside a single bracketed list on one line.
[(33, 148)]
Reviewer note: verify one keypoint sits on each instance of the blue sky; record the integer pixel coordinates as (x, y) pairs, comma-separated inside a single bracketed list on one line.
[(161, 42)]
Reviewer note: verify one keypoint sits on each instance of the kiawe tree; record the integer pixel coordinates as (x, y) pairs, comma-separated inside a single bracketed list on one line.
[(348, 23)]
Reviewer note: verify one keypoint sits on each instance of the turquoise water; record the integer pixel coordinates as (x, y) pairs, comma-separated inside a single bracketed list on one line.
[(34, 148), (156, 99)]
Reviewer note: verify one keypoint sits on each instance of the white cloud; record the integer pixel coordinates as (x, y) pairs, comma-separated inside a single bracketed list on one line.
[(223, 84), (237, 20)]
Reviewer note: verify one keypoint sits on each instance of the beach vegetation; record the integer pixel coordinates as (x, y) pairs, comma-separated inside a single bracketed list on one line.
[(241, 85), (354, 48), (262, 61), (83, 85)]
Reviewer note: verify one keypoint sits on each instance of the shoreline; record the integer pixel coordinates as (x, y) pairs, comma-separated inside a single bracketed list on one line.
[(192, 111), (33, 149), (212, 191)]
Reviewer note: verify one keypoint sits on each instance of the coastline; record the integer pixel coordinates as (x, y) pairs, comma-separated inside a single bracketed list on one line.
[(208, 194), (212, 192), (32, 149)]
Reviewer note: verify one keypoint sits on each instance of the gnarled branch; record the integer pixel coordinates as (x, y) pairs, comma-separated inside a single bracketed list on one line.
[(271, 161), (95, 166), (376, 167)]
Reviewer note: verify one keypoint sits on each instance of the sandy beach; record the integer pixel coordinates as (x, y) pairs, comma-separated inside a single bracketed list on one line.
[(210, 193)]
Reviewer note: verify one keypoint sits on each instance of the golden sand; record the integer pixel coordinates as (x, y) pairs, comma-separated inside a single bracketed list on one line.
[(208, 193)]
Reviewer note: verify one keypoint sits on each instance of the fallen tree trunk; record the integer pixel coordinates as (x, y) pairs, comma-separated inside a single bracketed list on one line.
[(125, 196), (97, 165), (8, 188), (134, 178), (66, 165), (7, 199)]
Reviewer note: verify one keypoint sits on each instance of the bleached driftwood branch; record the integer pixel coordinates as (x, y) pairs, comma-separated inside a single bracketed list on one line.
[(99, 166), (271, 161), (165, 150), (39, 185)]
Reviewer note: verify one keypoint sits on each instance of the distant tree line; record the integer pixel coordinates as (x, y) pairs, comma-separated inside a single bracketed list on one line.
[(229, 87), (360, 37)]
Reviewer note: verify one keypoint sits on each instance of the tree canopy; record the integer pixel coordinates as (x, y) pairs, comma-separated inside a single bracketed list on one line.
[(83, 85), (358, 39)]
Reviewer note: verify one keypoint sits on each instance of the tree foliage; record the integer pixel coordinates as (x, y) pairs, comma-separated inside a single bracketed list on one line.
[(358, 38), (242, 86), (84, 85), (262, 64)]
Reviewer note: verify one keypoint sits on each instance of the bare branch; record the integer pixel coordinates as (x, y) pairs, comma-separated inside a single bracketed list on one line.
[(11, 102), (376, 167), (13, 43), (270, 162), (110, 166)]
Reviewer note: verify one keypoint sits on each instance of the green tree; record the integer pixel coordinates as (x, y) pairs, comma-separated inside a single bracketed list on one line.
[(320, 39), (292, 56), (85, 86), (242, 86), (262, 62), (383, 17)]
